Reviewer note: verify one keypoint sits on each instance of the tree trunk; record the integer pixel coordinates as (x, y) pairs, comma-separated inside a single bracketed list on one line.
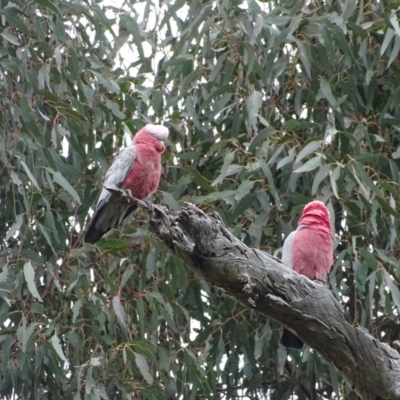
[(262, 282)]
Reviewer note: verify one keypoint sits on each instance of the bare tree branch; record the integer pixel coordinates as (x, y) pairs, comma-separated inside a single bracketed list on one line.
[(262, 282)]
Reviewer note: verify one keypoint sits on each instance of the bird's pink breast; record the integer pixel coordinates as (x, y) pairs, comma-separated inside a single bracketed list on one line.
[(144, 177), (312, 252)]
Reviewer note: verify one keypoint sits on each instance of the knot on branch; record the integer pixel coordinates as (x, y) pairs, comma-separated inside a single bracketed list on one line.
[(396, 345), (200, 225)]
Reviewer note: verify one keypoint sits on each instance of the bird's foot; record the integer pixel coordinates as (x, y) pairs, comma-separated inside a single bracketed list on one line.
[(127, 196), (148, 204), (124, 194)]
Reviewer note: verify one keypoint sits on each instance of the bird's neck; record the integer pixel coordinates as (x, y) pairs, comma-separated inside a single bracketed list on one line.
[(314, 223)]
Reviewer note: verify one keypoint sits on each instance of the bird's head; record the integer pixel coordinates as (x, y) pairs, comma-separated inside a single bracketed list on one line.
[(155, 134), (313, 212)]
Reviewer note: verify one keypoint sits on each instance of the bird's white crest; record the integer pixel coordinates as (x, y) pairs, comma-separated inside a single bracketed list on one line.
[(159, 131)]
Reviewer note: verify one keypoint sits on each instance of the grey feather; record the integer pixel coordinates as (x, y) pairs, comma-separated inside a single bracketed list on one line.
[(118, 171), (287, 250), (109, 211), (288, 338)]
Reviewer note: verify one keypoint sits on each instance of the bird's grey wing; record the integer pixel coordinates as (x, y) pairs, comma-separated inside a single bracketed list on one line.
[(117, 172), (110, 211), (287, 250)]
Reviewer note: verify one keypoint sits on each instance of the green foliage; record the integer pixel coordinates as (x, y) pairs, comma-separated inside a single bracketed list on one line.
[(269, 104)]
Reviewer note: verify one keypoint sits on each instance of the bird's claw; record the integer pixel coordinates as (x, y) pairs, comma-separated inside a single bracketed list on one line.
[(248, 288), (244, 278), (124, 194), (127, 195), (148, 203)]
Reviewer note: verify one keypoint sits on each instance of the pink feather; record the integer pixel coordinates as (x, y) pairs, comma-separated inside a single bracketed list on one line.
[(312, 249), (144, 177), (309, 251)]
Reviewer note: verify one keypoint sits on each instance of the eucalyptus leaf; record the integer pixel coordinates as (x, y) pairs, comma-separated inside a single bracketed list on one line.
[(119, 311), (143, 367), (29, 275), (57, 176), (309, 165)]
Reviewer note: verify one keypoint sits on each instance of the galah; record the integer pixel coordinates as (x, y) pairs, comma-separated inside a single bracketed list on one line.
[(137, 170), (309, 251)]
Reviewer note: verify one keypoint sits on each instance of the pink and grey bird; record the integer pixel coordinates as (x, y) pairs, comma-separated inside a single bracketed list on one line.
[(309, 251), (137, 168)]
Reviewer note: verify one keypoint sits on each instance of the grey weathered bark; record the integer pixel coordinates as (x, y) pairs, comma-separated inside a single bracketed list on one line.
[(263, 283)]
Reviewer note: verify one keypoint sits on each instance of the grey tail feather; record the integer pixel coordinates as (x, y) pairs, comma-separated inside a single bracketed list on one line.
[(93, 234), (289, 339)]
